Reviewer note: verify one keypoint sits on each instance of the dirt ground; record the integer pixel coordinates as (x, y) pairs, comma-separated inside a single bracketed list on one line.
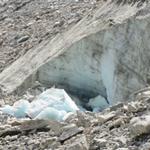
[(26, 23)]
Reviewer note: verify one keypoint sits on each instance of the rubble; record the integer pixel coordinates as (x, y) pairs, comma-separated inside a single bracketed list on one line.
[(66, 134), (46, 30), (79, 143), (33, 22), (110, 130), (106, 117)]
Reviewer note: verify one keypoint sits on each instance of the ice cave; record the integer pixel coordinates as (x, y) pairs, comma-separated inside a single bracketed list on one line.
[(99, 65)]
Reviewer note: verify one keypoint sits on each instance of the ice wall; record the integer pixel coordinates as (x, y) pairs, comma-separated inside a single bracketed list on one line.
[(108, 65)]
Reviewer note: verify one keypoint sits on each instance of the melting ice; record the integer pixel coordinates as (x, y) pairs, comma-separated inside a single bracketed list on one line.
[(53, 104)]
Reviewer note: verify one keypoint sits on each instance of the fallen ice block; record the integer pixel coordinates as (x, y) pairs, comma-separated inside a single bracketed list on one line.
[(54, 98), (58, 98), (19, 109), (8, 110), (51, 114), (52, 104), (98, 103), (36, 107)]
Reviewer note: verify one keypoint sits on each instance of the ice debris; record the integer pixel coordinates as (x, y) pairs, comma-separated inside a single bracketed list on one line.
[(98, 103), (18, 110), (52, 104)]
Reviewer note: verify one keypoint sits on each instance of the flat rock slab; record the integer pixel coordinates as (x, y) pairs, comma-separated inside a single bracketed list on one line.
[(70, 133), (28, 126)]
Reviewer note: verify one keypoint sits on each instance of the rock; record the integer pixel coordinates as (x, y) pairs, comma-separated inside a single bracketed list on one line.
[(56, 127), (10, 131), (1, 42), (84, 119), (2, 102), (49, 143), (32, 125), (30, 147), (121, 139), (3, 127), (23, 39), (15, 121), (68, 127), (104, 118), (58, 24), (132, 108), (100, 142), (145, 146), (112, 145), (69, 132), (11, 138), (140, 125), (118, 122), (114, 107), (122, 149), (101, 118), (80, 143), (31, 142), (71, 118), (28, 125)]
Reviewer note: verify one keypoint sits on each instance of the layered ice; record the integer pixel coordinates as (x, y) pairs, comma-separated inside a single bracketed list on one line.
[(53, 104), (108, 73)]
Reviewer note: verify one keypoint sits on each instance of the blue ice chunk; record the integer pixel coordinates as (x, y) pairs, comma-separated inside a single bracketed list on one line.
[(98, 103), (52, 104), (51, 114), (54, 98), (21, 108), (8, 110), (18, 110), (58, 98)]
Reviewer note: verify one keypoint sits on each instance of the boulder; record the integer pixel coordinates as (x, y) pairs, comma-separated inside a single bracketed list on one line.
[(140, 125)]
